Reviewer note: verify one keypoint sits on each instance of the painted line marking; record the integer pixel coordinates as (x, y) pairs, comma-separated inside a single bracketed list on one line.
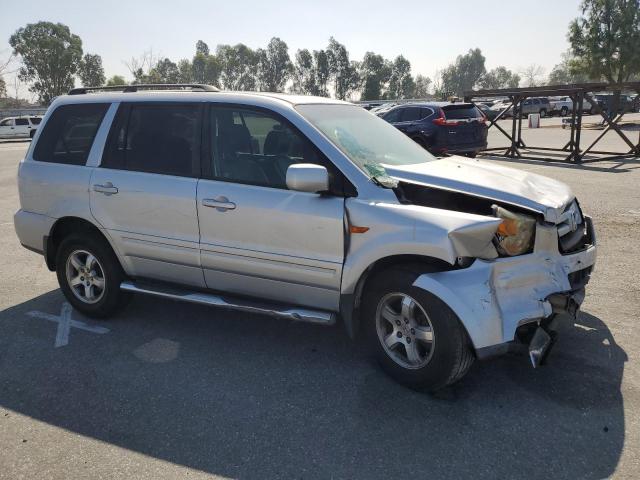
[(65, 322)]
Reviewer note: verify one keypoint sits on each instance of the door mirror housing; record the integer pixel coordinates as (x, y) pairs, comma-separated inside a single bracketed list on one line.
[(307, 177)]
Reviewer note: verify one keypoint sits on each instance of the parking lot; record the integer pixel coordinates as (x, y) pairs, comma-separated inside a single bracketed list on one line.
[(171, 390)]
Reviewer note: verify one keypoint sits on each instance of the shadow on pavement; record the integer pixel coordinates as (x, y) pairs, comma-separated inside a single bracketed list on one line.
[(254, 397)]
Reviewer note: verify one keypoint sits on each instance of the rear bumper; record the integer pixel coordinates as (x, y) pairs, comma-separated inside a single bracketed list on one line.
[(494, 298), (32, 229)]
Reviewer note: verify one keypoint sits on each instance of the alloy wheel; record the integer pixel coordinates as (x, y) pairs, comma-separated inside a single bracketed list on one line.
[(85, 276)]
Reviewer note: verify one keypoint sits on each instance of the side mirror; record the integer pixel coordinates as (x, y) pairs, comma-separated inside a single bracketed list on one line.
[(307, 177)]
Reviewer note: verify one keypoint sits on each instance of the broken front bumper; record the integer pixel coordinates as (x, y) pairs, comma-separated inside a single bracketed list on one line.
[(494, 298)]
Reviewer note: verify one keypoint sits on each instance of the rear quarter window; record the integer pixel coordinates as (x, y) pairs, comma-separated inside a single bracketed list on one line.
[(68, 135)]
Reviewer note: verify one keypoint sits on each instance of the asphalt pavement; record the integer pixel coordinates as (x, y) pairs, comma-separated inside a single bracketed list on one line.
[(173, 390)]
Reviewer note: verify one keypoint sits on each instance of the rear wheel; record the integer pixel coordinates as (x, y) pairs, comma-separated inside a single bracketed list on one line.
[(89, 275), (543, 112), (415, 336), (32, 133), (564, 111)]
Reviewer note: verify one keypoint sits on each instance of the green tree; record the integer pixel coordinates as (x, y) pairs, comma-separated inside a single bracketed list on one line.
[(237, 66), (185, 71), (499, 77), (3, 87), (374, 74), (464, 74), (50, 56), (116, 80), (303, 75), (206, 69), (322, 72), (605, 39), (533, 75), (165, 71), (401, 84), (423, 85), (90, 70), (567, 71), (202, 48), (343, 72), (273, 66)]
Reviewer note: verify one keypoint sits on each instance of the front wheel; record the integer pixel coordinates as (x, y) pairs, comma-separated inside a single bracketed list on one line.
[(415, 336), (89, 275)]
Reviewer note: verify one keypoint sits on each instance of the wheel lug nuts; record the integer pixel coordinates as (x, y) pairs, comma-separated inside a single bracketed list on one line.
[(399, 334), (408, 339), (398, 322), (413, 332)]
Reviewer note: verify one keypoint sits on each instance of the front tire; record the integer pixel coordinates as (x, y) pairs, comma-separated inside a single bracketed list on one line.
[(89, 275), (415, 337)]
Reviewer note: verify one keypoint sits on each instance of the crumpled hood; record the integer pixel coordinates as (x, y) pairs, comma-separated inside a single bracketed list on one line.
[(488, 180)]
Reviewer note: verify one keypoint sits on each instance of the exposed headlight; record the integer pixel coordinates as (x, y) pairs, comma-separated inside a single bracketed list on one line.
[(515, 234)]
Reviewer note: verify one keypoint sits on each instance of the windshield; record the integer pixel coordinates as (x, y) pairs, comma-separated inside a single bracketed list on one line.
[(367, 140)]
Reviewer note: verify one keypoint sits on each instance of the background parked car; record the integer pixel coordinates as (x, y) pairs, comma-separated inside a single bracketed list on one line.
[(500, 106), (563, 106), (442, 127), (539, 105), (488, 111), (19, 127)]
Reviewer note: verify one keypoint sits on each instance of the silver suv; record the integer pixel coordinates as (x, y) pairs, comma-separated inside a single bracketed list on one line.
[(304, 208)]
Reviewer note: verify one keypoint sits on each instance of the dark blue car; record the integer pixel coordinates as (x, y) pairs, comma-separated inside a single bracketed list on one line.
[(441, 127)]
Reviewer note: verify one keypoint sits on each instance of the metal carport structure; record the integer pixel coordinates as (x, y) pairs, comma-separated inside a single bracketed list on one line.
[(578, 92)]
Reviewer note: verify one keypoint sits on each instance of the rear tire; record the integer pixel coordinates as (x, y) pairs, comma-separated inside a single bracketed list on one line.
[(543, 112), (89, 275), (31, 134), (564, 111), (399, 318)]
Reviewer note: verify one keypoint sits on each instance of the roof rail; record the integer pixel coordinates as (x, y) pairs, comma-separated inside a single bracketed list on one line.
[(145, 86)]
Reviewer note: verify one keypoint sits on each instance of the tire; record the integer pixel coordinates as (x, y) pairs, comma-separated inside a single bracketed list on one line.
[(420, 142), (439, 363), (592, 110), (543, 112), (106, 270), (471, 154), (564, 111), (31, 134)]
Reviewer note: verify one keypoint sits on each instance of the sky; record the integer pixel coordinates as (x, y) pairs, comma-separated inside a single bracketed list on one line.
[(513, 33)]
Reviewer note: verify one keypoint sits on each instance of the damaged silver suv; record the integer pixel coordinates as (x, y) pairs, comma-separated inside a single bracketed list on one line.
[(304, 208)]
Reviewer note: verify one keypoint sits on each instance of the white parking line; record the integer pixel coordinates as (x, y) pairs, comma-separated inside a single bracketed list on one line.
[(65, 322)]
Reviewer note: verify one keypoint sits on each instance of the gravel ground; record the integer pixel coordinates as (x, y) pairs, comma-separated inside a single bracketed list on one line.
[(176, 390)]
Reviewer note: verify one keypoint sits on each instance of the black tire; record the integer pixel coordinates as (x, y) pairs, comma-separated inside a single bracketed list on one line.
[(592, 110), (471, 154), (543, 112), (564, 111), (32, 133), (112, 298), (452, 355)]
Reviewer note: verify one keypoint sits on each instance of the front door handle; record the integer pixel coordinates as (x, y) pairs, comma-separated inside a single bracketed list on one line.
[(220, 203), (107, 188)]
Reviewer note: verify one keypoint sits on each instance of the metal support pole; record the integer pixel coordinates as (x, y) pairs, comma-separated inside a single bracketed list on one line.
[(577, 156)]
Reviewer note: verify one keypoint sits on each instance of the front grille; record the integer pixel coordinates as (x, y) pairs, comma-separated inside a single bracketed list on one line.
[(574, 230)]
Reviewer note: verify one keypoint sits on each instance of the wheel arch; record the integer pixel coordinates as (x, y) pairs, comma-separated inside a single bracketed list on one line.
[(61, 229), (350, 303)]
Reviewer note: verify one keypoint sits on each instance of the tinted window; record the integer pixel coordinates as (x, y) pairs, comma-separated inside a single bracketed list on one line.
[(255, 147), (36, 120), (393, 115), (460, 111), (425, 112), (410, 114), (22, 121), (156, 138), (69, 133), (536, 101)]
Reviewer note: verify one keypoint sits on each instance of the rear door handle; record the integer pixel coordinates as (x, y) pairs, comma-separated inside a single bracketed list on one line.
[(220, 203), (107, 189)]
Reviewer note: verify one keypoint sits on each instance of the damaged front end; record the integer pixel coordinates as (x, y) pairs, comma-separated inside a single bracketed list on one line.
[(514, 292)]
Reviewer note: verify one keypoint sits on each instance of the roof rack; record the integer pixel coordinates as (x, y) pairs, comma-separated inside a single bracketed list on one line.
[(145, 86)]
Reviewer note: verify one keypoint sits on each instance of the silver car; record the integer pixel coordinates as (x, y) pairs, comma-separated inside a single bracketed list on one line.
[(304, 208)]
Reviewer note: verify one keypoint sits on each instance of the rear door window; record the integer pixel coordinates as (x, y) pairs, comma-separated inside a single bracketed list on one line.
[(425, 112), (461, 112), (394, 115), (22, 122), (35, 120), (410, 114), (68, 135), (156, 138)]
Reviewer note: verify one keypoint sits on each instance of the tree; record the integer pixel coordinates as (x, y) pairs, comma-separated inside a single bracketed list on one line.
[(499, 77), (464, 74), (90, 70), (401, 83), (3, 87), (185, 71), (202, 48), (164, 71), (374, 73), (533, 75), (303, 75), (50, 56), (116, 80), (422, 86), (273, 66), (343, 72), (606, 39), (322, 72), (567, 71), (238, 67)]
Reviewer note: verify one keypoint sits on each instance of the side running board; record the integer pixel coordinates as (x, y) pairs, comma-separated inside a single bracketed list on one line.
[(233, 303)]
